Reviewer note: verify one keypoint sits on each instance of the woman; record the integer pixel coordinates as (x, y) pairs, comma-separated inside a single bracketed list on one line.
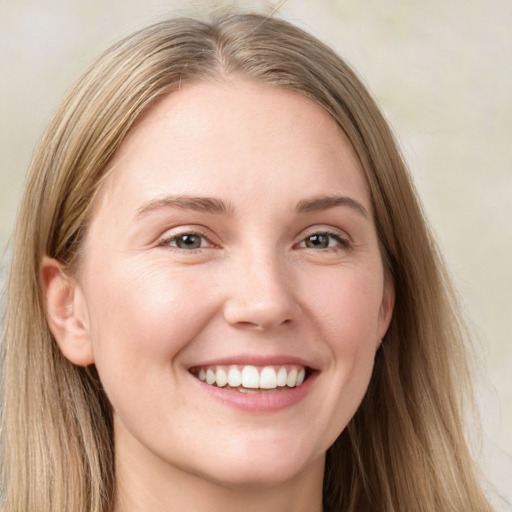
[(229, 297)]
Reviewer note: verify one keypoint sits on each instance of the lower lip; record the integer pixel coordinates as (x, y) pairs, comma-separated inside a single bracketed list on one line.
[(265, 402)]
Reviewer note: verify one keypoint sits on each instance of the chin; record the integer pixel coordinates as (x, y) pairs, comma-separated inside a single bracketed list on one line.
[(247, 473)]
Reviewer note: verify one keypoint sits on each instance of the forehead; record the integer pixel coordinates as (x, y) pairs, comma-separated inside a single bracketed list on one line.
[(234, 138)]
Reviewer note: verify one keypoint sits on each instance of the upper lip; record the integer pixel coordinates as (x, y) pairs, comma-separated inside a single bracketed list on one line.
[(256, 360)]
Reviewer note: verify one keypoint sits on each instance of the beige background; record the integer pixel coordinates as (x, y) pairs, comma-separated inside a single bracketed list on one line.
[(440, 69)]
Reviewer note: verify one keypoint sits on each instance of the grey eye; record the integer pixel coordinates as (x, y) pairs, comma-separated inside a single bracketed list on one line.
[(188, 241), (319, 241)]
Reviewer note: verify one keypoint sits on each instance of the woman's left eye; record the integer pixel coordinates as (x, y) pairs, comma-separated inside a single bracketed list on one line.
[(187, 241), (323, 240)]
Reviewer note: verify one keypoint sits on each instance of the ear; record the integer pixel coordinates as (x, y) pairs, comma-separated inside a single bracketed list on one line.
[(386, 309), (66, 313)]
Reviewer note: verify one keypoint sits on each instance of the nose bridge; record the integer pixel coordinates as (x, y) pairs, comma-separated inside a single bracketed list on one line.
[(261, 292)]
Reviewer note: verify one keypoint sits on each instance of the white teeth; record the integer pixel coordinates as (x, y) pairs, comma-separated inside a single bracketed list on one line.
[(268, 378), (281, 377), (291, 381), (210, 377), (250, 377), (234, 377), (221, 377)]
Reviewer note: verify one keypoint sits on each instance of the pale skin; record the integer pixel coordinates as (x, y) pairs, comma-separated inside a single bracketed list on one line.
[(236, 223)]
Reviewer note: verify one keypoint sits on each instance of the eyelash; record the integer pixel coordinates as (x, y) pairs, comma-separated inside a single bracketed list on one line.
[(341, 241), (166, 242)]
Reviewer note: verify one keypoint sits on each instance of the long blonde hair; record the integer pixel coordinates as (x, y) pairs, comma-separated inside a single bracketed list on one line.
[(404, 449)]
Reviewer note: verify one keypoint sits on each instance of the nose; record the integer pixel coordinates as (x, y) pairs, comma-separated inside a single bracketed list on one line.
[(262, 294)]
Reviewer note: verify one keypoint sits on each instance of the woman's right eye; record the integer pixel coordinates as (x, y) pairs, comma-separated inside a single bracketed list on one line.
[(186, 241)]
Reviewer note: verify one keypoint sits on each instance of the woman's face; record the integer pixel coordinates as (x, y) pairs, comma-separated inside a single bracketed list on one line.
[(233, 240)]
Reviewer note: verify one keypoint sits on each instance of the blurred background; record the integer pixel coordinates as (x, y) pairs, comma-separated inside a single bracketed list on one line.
[(441, 70)]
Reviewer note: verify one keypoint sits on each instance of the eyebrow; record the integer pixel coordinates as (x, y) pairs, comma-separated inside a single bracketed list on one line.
[(325, 202), (200, 204), (218, 207)]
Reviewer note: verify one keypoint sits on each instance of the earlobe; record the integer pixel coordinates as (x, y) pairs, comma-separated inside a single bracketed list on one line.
[(66, 313)]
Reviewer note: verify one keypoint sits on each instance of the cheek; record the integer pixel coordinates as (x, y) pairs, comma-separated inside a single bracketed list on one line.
[(145, 317), (347, 306), (347, 318)]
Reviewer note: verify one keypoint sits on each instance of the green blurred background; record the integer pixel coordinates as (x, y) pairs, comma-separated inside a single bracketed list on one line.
[(440, 69)]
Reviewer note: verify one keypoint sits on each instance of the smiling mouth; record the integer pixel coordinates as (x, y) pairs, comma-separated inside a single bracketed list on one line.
[(252, 379)]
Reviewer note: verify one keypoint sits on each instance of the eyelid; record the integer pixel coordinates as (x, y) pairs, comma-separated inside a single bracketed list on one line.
[(343, 238), (175, 233), (325, 228)]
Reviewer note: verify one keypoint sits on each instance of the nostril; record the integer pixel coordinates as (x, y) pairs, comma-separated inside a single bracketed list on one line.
[(261, 303), (261, 325)]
